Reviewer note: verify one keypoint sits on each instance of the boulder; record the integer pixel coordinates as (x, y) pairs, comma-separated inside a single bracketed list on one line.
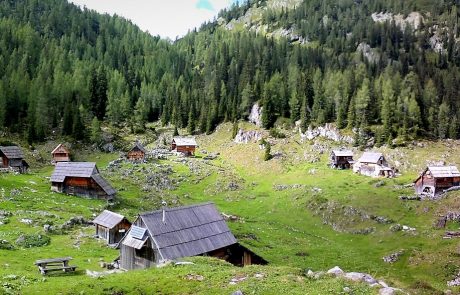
[(360, 277), (337, 271), (247, 136), (388, 291)]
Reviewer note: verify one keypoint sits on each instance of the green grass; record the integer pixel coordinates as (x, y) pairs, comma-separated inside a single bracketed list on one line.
[(281, 226)]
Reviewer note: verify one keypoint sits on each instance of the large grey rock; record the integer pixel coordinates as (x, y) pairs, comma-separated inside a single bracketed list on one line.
[(248, 136), (360, 277), (388, 291), (337, 271)]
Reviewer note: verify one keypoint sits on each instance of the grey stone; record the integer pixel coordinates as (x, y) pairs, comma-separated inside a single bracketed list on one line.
[(337, 271)]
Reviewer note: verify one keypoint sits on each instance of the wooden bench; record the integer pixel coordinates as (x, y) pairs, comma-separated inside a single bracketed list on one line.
[(55, 264)]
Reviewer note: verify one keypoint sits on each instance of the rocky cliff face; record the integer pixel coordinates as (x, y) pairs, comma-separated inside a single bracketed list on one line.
[(327, 131), (256, 115)]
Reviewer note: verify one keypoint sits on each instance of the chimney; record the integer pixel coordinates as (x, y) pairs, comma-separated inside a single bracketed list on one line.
[(164, 211)]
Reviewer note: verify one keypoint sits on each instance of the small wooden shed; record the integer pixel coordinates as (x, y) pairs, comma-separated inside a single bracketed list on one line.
[(81, 179), (342, 159), (111, 226), (436, 179), (137, 153), (60, 154), (373, 164), (184, 145), (174, 233), (12, 157)]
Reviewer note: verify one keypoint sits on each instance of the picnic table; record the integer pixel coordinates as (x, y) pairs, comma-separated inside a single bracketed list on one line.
[(55, 264)]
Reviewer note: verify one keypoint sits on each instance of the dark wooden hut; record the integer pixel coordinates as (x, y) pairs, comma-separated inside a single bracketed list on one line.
[(184, 145), (80, 179), (436, 179), (13, 158), (174, 233), (60, 154), (111, 226), (137, 153), (342, 159)]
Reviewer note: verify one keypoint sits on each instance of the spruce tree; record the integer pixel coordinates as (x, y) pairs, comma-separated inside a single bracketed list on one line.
[(235, 129), (95, 131), (267, 152), (78, 128), (191, 123)]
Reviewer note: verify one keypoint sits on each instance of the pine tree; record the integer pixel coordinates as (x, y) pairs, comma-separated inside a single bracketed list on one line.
[(67, 126), (388, 107), (78, 128), (235, 129), (304, 114), (2, 106), (443, 121), (267, 152), (95, 131), (268, 110), (176, 131), (191, 123)]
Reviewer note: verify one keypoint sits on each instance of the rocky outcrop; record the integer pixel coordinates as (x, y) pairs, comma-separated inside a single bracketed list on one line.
[(256, 115), (414, 19), (328, 131), (369, 53), (356, 277), (247, 136)]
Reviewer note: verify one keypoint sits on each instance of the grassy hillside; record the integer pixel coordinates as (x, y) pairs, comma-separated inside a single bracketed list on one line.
[(293, 210)]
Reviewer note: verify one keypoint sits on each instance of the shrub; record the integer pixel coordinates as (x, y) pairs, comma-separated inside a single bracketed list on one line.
[(276, 134), (33, 240), (5, 245)]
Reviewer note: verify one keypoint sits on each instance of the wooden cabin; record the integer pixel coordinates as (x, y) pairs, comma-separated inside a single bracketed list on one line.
[(137, 153), (174, 233), (60, 154), (373, 164), (12, 158), (111, 226), (184, 145), (436, 179), (342, 159), (80, 179)]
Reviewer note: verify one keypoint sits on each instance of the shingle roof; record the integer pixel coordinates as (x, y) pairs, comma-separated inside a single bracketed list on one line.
[(139, 146), (108, 189), (188, 231), (343, 153), (369, 157), (12, 152), (444, 171), (59, 147), (108, 219), (185, 141), (73, 169)]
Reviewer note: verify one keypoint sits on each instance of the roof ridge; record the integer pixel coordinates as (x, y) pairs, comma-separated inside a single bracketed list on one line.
[(177, 208), (184, 228), (228, 231)]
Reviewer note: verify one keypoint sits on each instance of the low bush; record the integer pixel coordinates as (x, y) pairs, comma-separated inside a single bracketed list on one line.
[(33, 240)]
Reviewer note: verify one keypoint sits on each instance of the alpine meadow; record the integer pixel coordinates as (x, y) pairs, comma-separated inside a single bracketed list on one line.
[(285, 146)]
